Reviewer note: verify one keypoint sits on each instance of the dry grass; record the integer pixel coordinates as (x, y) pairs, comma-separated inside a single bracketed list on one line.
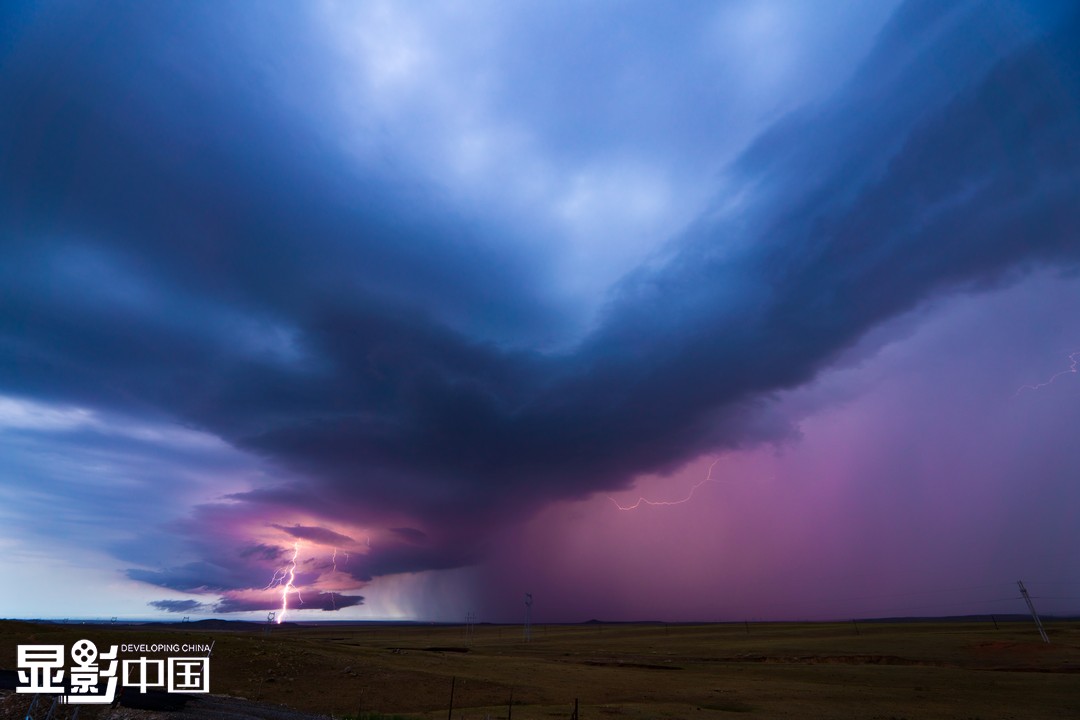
[(777, 670)]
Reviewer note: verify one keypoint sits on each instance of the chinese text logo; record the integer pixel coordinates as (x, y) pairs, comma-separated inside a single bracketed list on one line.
[(93, 679)]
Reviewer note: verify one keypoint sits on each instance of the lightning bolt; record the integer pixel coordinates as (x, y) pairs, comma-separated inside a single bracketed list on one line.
[(290, 573), (279, 575), (656, 503), (285, 578), (333, 561), (1074, 367)]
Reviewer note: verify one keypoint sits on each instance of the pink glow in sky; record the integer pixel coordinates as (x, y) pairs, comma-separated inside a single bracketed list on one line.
[(928, 490)]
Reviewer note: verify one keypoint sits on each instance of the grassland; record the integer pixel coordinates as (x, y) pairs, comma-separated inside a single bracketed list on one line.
[(961, 670)]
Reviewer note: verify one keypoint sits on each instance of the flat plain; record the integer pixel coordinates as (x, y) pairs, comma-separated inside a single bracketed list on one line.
[(886, 671)]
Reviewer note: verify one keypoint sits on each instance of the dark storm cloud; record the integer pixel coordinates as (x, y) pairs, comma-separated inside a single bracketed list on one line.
[(410, 534), (193, 577), (325, 601), (263, 551), (177, 606), (317, 534), (176, 239), (982, 186)]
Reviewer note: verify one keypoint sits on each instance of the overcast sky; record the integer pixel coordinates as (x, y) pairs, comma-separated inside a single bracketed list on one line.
[(713, 311)]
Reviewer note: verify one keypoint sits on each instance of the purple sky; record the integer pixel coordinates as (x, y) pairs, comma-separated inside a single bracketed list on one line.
[(390, 310)]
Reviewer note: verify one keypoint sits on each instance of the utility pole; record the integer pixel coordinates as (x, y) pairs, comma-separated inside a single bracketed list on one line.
[(528, 616), (470, 625), (1031, 607)]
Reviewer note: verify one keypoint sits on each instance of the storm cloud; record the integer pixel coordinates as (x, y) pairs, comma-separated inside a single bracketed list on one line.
[(178, 606), (185, 235)]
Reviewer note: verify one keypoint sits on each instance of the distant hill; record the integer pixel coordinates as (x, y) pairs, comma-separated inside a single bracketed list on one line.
[(215, 624)]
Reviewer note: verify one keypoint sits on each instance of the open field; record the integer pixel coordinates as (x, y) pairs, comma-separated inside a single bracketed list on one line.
[(767, 670)]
